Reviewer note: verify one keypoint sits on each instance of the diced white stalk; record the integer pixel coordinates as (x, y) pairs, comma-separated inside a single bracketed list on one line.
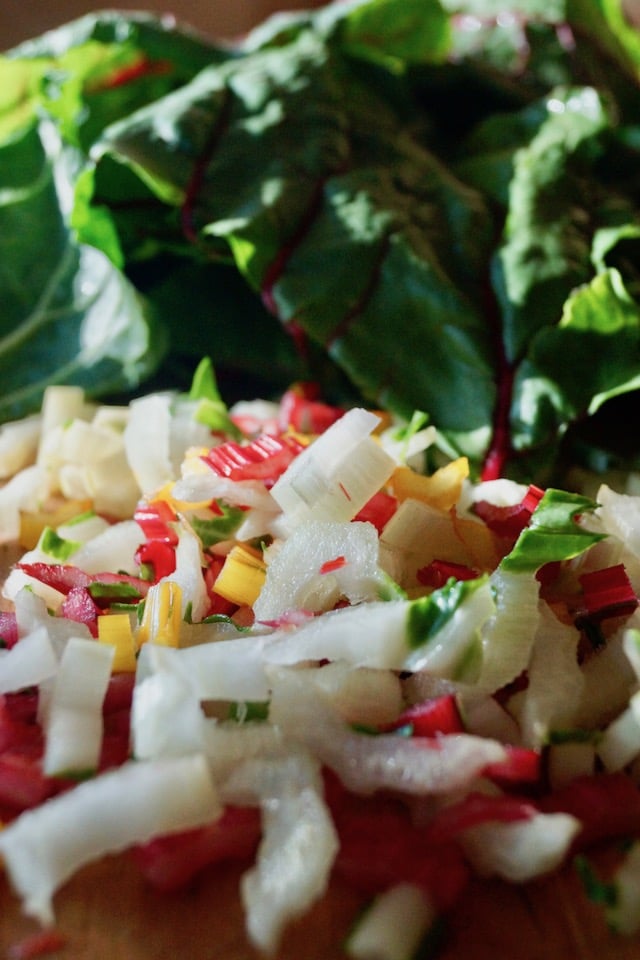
[(45, 846), (624, 914), (31, 612), (225, 670), (620, 741), (188, 573), (113, 549), (19, 441), (631, 647), (360, 694), (455, 650), (159, 430), (21, 492), (60, 405), (556, 681), (185, 431), (369, 635), (500, 493), (29, 662), (167, 720), (566, 761), (403, 450), (112, 488), (19, 581), (84, 529), (619, 515), (508, 638), (335, 476), (416, 535), (146, 440), (258, 523), (386, 635), (166, 717), (485, 717), (298, 846), (229, 744), (609, 682), (111, 417), (106, 480), (394, 926), (84, 442), (365, 763), (521, 850), (202, 487), (74, 728), (295, 580)]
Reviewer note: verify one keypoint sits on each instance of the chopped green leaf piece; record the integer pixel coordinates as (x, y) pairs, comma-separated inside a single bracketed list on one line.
[(553, 533), (212, 530), (118, 591), (249, 712), (211, 408), (428, 615), (597, 890)]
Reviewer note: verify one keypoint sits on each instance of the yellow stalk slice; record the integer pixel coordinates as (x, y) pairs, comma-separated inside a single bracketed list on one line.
[(115, 629), (242, 576), (441, 490), (162, 615)]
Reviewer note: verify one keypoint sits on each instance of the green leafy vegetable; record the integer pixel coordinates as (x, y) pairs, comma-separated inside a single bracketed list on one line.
[(216, 529), (553, 533), (56, 546), (597, 890), (420, 209), (211, 408), (428, 615)]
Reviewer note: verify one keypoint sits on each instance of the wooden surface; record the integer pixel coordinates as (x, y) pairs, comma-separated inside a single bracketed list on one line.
[(108, 913)]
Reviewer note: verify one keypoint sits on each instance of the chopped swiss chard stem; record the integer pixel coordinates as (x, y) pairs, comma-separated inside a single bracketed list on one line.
[(608, 593), (437, 573), (510, 521)]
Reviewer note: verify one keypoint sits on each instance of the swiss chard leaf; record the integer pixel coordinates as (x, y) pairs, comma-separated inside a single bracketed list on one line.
[(547, 241), (600, 332), (68, 315), (299, 166), (349, 176)]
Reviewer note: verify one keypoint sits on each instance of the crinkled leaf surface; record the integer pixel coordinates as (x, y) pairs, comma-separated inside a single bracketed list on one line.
[(347, 226), (68, 315)]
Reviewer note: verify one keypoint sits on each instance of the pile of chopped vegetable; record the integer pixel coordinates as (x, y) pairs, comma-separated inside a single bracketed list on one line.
[(297, 636)]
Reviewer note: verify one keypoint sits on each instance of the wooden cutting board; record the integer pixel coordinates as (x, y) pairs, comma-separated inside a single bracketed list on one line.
[(108, 912)]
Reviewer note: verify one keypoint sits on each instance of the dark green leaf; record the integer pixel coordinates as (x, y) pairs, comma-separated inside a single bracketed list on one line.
[(428, 615), (68, 315), (346, 175), (547, 245), (212, 530)]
